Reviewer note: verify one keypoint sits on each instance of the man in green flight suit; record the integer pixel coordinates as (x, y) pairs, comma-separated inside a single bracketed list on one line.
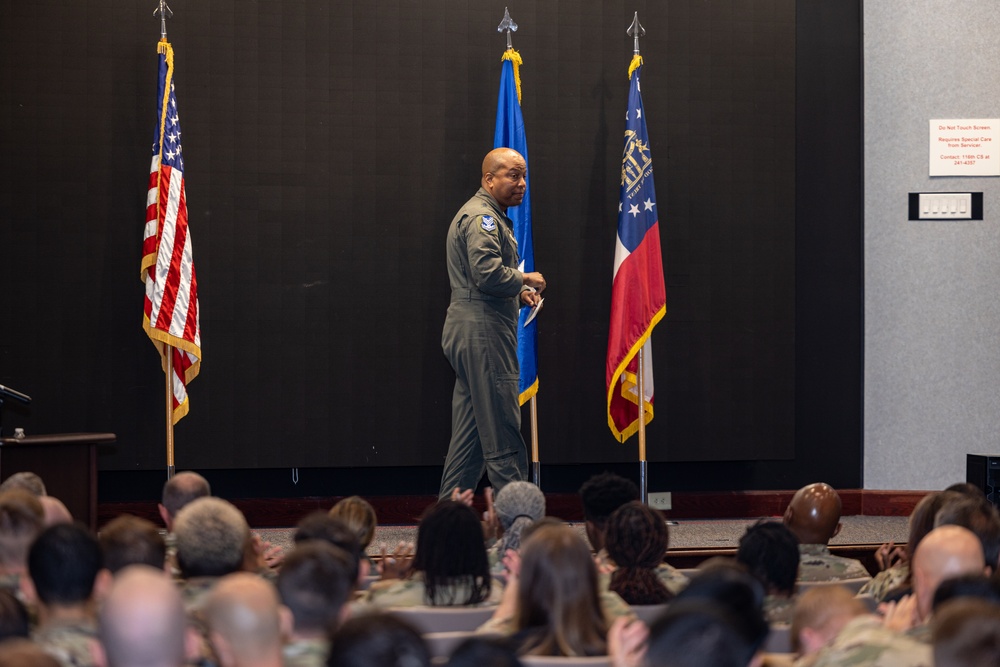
[(480, 337)]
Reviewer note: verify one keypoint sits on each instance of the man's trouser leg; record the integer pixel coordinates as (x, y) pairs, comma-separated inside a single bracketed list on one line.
[(464, 465)]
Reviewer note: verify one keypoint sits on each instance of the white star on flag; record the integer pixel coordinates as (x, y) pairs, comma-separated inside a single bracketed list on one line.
[(638, 113), (634, 210), (649, 204)]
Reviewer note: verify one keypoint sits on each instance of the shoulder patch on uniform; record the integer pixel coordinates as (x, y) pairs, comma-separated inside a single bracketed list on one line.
[(488, 223)]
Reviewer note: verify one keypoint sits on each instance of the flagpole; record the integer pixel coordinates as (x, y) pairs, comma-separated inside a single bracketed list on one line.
[(636, 31), (170, 410), (163, 12), (641, 381), (536, 467)]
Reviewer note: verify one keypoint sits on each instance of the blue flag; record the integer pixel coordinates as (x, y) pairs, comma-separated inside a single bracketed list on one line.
[(510, 134)]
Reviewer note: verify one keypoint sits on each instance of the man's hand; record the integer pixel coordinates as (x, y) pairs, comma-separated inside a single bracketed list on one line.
[(530, 298), (534, 279)]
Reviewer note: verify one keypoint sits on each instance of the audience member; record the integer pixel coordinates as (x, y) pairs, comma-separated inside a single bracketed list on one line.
[(551, 605), (21, 520), (770, 552), (450, 566), (211, 536), (14, 621), (601, 495), (142, 621), (178, 491), (966, 633), (865, 641), (978, 515), (517, 506), (699, 632), (727, 583), (315, 584), (946, 552), (377, 640), (483, 652), (25, 653), (814, 516), (26, 481), (358, 515), (819, 616), (128, 540), (67, 580), (246, 621), (320, 525), (55, 511), (894, 580), (636, 540), (966, 586)]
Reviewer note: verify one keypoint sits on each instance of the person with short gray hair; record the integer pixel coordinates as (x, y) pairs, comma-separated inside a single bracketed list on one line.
[(26, 480), (212, 536)]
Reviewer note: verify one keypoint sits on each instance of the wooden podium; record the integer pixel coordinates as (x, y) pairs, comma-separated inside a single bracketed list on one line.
[(66, 462)]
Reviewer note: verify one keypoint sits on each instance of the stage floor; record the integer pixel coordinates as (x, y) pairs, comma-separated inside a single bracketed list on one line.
[(687, 534)]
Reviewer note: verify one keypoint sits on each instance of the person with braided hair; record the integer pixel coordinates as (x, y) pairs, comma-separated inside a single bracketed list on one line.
[(636, 540)]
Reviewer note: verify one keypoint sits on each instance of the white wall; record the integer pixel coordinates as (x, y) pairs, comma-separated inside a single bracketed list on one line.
[(932, 289)]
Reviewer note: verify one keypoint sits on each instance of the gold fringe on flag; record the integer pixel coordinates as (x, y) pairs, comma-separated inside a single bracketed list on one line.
[(636, 63), (515, 58)]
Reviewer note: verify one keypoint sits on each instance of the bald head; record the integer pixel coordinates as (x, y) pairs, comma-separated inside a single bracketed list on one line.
[(142, 621), (55, 511), (944, 553), (246, 620), (178, 491), (814, 514), (504, 172)]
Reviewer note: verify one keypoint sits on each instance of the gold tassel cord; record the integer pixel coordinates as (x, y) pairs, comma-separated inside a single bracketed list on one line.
[(635, 64), (515, 58)]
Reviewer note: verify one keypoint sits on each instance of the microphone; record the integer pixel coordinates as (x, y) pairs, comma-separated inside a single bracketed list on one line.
[(7, 392)]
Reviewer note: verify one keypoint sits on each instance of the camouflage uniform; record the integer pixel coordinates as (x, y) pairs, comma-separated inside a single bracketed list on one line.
[(778, 609), (70, 643), (816, 563), (886, 581), (412, 593), (865, 642), (305, 653), (194, 593)]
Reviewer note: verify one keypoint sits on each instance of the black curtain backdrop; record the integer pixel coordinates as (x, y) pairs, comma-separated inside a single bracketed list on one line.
[(327, 147)]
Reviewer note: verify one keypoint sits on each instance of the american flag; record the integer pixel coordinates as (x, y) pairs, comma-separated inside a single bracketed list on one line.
[(638, 295), (170, 308)]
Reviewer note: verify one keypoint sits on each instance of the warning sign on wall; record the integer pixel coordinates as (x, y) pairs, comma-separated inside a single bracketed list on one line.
[(965, 147)]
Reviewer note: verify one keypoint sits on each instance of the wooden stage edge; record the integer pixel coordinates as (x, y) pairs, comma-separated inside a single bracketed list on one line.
[(406, 510)]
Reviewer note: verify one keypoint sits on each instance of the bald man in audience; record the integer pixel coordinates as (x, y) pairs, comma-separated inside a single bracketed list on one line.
[(945, 553), (814, 516), (142, 622), (56, 511), (178, 491), (247, 622)]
